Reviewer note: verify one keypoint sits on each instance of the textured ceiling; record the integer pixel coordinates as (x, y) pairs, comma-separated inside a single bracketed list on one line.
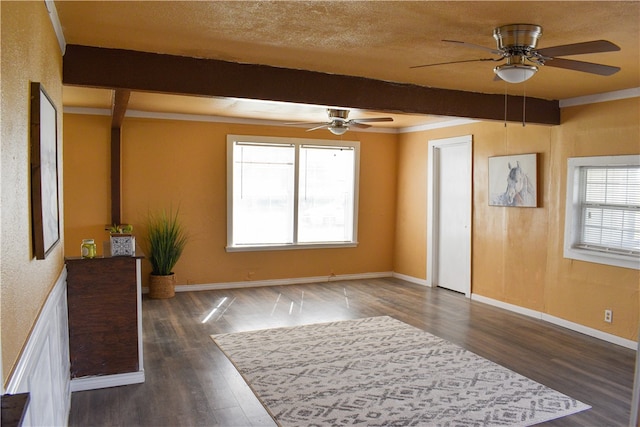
[(374, 39)]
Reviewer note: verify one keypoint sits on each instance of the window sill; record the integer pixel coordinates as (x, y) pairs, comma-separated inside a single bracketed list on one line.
[(299, 246), (598, 257)]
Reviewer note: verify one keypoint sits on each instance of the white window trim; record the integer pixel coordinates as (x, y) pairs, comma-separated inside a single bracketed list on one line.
[(231, 139), (572, 213)]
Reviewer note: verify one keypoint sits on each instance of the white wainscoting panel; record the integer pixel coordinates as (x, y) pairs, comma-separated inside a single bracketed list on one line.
[(43, 368)]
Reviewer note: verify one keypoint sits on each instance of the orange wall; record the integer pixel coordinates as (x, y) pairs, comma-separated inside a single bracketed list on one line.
[(509, 244), (30, 52), (86, 171), (517, 252), (411, 227), (182, 164), (576, 290)]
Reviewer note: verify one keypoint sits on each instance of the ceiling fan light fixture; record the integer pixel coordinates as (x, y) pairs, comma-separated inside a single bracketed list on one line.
[(515, 73), (338, 130)]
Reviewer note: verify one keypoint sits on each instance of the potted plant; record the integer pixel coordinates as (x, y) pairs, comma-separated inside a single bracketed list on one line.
[(166, 240)]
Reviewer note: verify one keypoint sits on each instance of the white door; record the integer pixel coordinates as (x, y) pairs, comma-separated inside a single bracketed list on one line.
[(449, 214)]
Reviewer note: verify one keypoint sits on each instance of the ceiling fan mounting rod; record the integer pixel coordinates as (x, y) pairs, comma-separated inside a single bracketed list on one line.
[(335, 113), (516, 59)]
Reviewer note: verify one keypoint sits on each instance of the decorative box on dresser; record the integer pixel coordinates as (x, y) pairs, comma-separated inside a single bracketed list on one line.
[(105, 321)]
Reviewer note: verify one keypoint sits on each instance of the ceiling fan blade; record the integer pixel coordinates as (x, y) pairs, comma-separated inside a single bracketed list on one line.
[(474, 46), (304, 123), (587, 67), (595, 46), (324, 125), (359, 125), (373, 119), (458, 62)]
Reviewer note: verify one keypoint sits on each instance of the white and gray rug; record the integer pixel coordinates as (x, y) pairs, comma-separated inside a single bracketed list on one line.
[(379, 371)]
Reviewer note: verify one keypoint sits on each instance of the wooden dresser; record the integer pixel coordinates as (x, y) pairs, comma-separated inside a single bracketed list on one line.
[(105, 321)]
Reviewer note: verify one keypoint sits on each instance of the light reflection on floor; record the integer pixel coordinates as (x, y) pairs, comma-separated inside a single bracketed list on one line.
[(219, 310), (292, 305)]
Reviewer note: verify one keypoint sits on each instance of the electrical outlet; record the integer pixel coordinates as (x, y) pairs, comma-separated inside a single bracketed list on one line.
[(608, 316)]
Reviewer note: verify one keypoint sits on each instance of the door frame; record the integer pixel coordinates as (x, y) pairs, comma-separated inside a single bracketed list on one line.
[(432, 217)]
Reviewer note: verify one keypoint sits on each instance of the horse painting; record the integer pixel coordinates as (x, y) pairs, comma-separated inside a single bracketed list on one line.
[(520, 190)]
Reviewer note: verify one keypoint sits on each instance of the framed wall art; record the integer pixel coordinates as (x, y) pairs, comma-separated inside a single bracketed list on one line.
[(513, 180), (45, 212)]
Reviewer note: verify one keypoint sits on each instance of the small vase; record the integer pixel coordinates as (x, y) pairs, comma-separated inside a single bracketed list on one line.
[(162, 286), (122, 244)]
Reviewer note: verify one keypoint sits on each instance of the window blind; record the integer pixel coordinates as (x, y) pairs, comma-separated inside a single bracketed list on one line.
[(610, 207)]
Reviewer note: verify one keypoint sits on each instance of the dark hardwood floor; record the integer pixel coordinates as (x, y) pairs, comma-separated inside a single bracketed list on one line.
[(189, 382)]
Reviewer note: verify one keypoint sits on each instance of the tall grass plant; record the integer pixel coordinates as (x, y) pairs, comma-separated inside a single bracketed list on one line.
[(166, 240)]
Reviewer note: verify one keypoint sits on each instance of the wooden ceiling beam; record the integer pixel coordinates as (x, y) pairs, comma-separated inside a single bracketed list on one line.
[(118, 110), (116, 176), (119, 106), (141, 71)]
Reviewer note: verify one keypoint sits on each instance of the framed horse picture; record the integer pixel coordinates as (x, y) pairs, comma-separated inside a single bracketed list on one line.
[(513, 180)]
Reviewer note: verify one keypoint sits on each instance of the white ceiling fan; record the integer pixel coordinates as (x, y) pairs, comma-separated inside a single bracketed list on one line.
[(339, 122)]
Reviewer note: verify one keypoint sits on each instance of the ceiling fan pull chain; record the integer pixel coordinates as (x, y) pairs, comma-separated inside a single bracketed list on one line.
[(506, 130), (505, 103), (524, 103)]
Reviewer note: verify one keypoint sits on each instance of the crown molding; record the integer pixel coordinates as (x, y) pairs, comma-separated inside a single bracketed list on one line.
[(57, 26), (601, 97), (449, 122)]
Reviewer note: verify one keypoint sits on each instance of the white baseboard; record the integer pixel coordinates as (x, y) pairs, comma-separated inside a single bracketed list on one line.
[(505, 305), (106, 381), (411, 279), (614, 339), (43, 367), (363, 276), (279, 282)]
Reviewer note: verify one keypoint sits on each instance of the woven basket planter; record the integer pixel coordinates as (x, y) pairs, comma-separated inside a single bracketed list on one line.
[(162, 286)]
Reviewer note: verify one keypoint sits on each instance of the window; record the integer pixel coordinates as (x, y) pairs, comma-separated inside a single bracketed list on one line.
[(286, 193), (603, 210)]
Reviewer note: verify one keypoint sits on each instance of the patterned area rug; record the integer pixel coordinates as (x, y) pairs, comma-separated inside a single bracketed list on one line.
[(380, 371)]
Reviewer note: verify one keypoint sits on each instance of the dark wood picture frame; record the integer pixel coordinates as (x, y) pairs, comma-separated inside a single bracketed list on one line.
[(45, 211)]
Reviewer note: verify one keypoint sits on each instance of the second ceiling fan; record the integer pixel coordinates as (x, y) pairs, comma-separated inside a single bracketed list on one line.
[(517, 43), (339, 122)]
